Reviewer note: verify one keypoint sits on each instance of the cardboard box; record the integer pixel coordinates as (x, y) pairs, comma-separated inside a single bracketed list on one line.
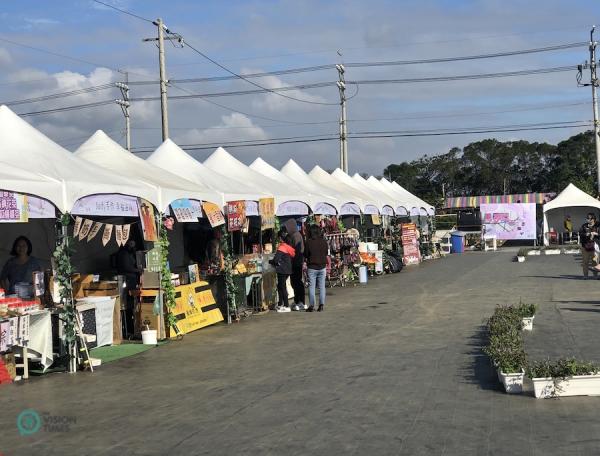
[(117, 330), (101, 288), (150, 279)]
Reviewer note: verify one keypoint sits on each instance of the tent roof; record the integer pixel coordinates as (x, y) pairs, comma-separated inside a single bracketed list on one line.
[(25, 148), (383, 197), (296, 173), (572, 196), (173, 158), (222, 161), (349, 193), (405, 195), (27, 182), (314, 196), (103, 151), (367, 198)]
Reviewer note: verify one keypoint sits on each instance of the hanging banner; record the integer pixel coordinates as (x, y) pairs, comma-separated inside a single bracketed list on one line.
[(39, 208), (214, 214), (85, 228), (324, 209), (292, 208), (77, 226), (107, 234), (148, 220), (13, 208), (125, 234), (119, 235), (94, 231), (387, 210), (267, 213), (236, 215), (186, 211), (371, 210), (107, 205), (350, 209), (252, 208), (375, 220)]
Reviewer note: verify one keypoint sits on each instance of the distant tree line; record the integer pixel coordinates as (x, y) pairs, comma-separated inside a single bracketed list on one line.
[(491, 167)]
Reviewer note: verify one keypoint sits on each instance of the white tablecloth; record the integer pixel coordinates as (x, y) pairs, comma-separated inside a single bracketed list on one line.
[(40, 337)]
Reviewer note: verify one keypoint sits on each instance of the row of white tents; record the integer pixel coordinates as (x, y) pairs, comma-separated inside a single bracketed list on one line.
[(33, 164)]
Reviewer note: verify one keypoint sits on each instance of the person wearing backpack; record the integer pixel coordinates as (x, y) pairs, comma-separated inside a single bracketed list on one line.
[(588, 235), (283, 267), (315, 252)]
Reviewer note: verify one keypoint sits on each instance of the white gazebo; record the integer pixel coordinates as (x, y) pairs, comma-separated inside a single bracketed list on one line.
[(573, 202)]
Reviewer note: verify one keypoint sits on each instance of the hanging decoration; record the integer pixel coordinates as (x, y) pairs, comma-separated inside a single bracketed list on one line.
[(119, 235), (64, 271), (148, 220), (85, 229), (236, 215), (126, 229), (107, 234), (166, 283), (77, 226), (267, 212), (94, 231), (214, 214)]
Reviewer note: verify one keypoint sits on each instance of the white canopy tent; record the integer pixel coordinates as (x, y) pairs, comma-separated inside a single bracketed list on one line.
[(286, 202), (419, 207), (106, 153), (348, 193), (571, 201), (386, 201), (319, 203), (169, 156), (371, 204), (25, 148), (402, 205), (345, 205)]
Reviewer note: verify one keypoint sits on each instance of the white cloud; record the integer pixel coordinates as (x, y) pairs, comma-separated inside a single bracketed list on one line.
[(233, 127), (5, 58)]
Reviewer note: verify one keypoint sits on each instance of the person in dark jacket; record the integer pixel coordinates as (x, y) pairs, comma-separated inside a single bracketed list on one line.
[(283, 267), (296, 241), (588, 235), (128, 267), (315, 252)]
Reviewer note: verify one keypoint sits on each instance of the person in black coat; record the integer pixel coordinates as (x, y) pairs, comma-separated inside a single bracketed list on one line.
[(297, 242), (283, 267)]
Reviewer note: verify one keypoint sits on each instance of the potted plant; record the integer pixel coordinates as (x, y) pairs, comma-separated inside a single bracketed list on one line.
[(505, 347), (521, 254), (527, 313), (565, 377)]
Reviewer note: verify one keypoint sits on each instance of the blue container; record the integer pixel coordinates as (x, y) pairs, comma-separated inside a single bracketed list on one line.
[(457, 241)]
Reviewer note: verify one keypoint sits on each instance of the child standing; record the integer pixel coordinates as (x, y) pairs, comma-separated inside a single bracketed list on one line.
[(283, 266)]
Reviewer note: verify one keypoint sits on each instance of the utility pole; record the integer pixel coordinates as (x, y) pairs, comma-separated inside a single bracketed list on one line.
[(594, 83), (124, 104), (163, 74), (343, 129)]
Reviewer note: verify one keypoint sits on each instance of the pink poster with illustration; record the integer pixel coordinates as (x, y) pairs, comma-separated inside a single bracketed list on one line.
[(509, 221)]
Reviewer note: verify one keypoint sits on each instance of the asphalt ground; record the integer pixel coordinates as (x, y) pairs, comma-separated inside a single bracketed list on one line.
[(391, 368)]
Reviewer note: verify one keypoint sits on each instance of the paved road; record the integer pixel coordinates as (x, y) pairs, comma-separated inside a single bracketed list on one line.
[(393, 368)]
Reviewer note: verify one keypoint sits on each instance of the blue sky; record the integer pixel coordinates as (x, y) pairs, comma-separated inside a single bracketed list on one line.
[(250, 36)]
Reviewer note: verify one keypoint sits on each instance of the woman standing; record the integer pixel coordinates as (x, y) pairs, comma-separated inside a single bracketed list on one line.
[(588, 235), (20, 267), (315, 251), (283, 267)]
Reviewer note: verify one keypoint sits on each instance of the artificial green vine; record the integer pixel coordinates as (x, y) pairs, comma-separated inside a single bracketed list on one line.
[(166, 283), (276, 228), (64, 271), (341, 225), (228, 264)]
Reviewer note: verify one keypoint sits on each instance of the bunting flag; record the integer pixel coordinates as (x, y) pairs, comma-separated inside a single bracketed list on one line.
[(107, 234), (119, 235), (77, 226), (125, 234), (94, 231), (475, 201), (85, 229)]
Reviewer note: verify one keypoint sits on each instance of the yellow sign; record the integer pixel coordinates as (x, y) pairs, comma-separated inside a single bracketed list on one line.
[(195, 308), (375, 219), (214, 214), (267, 212)]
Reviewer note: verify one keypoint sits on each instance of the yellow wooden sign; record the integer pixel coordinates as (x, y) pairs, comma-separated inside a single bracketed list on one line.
[(195, 308)]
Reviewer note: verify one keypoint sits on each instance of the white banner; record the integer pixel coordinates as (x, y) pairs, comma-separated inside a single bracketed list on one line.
[(107, 205), (371, 210), (251, 208), (387, 210), (292, 208), (324, 209), (350, 209)]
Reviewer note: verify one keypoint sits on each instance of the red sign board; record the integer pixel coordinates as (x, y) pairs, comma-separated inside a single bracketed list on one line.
[(236, 215), (410, 244)]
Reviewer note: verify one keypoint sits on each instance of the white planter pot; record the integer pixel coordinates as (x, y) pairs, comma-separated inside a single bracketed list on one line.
[(528, 323), (513, 383), (533, 253), (552, 252), (579, 385), (521, 259)]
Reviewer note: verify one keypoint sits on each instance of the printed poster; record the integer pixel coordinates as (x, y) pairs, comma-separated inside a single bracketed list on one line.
[(214, 214), (13, 208), (410, 244), (148, 219), (186, 211), (267, 213), (195, 308), (509, 221), (236, 215)]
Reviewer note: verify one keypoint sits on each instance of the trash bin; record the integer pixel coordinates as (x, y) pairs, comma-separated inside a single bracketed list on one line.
[(457, 241)]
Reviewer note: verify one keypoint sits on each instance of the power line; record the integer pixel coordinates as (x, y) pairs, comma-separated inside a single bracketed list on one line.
[(123, 11), (248, 80), (371, 135), (58, 95), (67, 108)]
